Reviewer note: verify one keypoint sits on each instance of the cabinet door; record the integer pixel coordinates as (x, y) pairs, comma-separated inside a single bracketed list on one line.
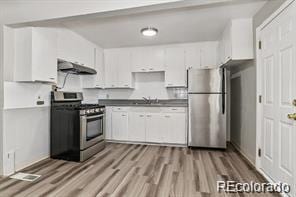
[(86, 56), (220, 55), (155, 59), (175, 72), (192, 56), (139, 59), (124, 76), (111, 61), (120, 126), (66, 45), (209, 54), (74, 48), (175, 132), (108, 123), (44, 54), (155, 128), (137, 127), (99, 62), (227, 43), (95, 81)]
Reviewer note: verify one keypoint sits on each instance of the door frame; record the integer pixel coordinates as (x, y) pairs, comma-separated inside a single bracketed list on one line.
[(259, 84)]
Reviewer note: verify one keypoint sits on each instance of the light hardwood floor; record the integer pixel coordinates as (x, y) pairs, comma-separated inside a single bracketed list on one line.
[(137, 170)]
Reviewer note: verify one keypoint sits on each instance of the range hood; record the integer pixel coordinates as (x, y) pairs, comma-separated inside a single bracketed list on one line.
[(74, 68)]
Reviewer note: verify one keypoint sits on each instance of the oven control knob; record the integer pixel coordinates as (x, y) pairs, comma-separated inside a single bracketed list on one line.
[(102, 110), (87, 111), (97, 110), (92, 111)]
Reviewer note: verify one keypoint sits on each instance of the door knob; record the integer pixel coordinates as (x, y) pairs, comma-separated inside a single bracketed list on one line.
[(292, 116), (294, 102)]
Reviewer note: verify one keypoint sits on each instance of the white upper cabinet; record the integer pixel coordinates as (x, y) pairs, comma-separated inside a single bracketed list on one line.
[(192, 56), (35, 54), (74, 48), (97, 80), (175, 70), (148, 59), (236, 42), (208, 55), (118, 68)]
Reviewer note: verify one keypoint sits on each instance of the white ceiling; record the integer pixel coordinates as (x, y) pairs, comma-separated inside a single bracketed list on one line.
[(199, 23)]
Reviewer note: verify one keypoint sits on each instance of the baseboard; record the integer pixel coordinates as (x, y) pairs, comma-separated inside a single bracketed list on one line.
[(243, 154), (28, 165)]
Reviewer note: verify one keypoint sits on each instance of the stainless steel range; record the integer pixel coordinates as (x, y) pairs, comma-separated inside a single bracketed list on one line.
[(77, 130)]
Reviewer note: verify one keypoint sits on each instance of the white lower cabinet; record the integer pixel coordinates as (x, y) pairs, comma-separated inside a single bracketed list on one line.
[(174, 124), (167, 126), (108, 123), (154, 128), (136, 131), (119, 125)]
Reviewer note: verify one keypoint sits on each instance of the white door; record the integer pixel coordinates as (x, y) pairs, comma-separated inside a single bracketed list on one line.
[(278, 60), (120, 126), (137, 127), (155, 128), (175, 132)]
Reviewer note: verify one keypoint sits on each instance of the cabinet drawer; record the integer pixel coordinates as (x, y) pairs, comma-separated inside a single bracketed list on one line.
[(120, 109), (174, 110)]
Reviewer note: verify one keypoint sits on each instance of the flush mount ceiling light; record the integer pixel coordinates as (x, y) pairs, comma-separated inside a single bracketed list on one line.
[(149, 31)]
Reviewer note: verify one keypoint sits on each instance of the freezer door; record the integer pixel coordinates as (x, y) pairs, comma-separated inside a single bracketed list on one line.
[(205, 81), (207, 123)]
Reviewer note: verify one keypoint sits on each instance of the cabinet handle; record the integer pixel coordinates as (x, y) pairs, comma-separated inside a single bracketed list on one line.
[(151, 69), (167, 116), (123, 115), (149, 116), (169, 84), (125, 85), (141, 115), (143, 69), (52, 78), (174, 109)]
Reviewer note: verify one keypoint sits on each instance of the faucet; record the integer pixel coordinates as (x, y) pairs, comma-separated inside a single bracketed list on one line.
[(147, 100)]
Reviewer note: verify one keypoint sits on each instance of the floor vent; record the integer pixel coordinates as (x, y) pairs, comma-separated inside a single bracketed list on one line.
[(25, 176)]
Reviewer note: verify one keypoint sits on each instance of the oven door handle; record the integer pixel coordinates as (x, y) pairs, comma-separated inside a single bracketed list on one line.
[(96, 116)]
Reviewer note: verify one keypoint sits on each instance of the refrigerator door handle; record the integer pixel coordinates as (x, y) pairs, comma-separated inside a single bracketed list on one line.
[(223, 91)]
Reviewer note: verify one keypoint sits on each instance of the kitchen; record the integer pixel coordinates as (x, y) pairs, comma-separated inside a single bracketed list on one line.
[(149, 90)]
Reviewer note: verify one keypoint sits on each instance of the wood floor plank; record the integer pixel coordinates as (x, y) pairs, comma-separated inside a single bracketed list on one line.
[(137, 171)]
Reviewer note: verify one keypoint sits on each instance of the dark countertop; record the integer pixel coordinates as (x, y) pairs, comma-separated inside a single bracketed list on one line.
[(142, 103)]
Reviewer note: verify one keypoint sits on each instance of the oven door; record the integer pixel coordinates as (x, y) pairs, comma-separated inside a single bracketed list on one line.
[(91, 130)]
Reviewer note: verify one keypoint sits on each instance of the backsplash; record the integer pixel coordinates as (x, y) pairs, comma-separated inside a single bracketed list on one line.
[(146, 85)]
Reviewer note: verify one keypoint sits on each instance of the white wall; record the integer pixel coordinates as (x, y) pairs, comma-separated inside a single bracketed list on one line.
[(27, 136), (246, 137)]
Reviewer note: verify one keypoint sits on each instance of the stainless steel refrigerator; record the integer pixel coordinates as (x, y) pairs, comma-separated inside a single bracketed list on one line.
[(207, 108)]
